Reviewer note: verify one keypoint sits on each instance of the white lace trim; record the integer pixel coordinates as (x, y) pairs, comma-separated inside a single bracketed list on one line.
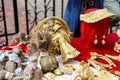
[(95, 16)]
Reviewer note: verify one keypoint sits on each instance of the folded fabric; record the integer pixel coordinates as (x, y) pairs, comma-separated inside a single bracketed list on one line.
[(73, 10), (103, 50), (94, 26)]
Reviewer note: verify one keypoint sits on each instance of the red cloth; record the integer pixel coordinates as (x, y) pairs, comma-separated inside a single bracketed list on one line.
[(0, 48), (22, 45), (9, 47), (90, 30), (106, 49)]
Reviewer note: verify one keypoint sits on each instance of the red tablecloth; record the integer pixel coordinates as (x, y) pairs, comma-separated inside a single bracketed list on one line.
[(106, 49)]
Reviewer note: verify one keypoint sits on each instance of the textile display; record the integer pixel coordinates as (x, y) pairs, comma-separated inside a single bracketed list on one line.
[(106, 49), (72, 12), (94, 26)]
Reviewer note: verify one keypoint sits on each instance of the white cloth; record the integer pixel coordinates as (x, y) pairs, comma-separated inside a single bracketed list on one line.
[(19, 70), (68, 76), (3, 54), (13, 57), (7, 75)]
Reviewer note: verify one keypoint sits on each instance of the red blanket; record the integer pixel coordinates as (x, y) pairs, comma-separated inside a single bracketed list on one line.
[(106, 49)]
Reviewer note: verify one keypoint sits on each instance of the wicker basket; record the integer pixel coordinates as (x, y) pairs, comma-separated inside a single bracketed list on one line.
[(47, 25)]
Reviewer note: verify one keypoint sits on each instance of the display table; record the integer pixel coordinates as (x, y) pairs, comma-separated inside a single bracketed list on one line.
[(106, 49)]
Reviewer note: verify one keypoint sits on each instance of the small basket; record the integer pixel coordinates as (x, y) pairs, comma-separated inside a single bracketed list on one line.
[(47, 25)]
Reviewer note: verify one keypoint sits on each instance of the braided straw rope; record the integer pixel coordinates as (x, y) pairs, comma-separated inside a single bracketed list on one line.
[(43, 22)]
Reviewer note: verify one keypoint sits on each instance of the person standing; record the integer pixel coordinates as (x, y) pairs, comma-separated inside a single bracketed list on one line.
[(113, 6)]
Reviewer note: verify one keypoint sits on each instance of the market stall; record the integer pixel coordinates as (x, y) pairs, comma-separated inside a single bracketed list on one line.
[(50, 53)]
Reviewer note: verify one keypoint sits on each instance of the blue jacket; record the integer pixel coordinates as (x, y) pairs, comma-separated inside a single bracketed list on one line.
[(72, 13)]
